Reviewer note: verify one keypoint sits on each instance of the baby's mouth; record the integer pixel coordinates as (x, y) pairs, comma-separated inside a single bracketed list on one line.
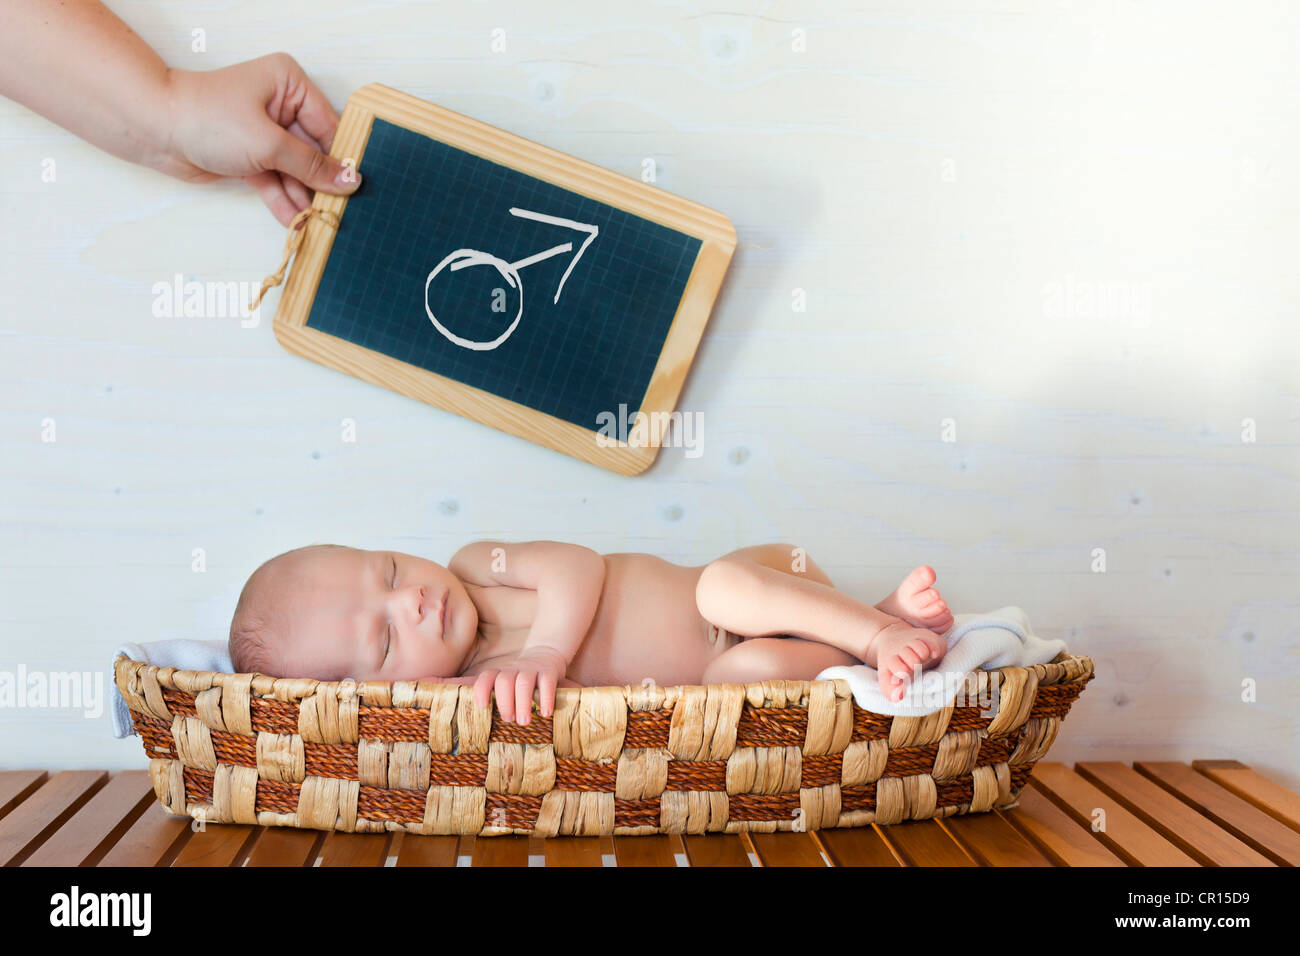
[(442, 605)]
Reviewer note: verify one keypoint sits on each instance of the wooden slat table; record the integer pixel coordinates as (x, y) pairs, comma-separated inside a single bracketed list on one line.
[(1153, 813)]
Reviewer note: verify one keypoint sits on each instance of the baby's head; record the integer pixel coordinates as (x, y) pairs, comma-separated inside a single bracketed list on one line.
[(330, 612)]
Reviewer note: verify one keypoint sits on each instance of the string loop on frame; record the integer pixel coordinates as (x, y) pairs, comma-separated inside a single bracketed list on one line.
[(291, 244)]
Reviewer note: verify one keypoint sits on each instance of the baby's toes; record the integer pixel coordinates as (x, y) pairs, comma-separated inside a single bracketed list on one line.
[(910, 655), (936, 647), (923, 651), (928, 597), (930, 604), (919, 579), (938, 619), (899, 686), (889, 685), (894, 676)]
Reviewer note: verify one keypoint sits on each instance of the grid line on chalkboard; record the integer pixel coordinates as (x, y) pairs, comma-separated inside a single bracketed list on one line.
[(421, 199)]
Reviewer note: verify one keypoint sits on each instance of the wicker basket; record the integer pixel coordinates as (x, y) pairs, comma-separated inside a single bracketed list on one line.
[(421, 757)]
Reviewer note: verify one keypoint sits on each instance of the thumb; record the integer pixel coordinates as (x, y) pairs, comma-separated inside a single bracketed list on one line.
[(311, 167)]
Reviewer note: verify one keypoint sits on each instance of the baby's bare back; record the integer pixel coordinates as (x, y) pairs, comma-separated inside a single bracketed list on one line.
[(646, 626)]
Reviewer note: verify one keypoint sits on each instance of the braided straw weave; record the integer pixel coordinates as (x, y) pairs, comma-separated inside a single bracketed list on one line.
[(422, 757)]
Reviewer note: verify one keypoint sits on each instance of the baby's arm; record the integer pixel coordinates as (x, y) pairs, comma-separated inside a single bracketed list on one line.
[(568, 580)]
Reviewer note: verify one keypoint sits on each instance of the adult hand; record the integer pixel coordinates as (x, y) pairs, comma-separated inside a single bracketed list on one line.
[(262, 120)]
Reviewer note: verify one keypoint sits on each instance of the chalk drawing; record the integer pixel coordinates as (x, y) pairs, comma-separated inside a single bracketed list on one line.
[(509, 271)]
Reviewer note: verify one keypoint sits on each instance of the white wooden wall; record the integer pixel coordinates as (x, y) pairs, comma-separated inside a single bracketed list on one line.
[(1069, 228)]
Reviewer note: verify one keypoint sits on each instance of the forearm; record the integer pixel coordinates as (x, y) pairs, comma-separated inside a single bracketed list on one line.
[(568, 593), (568, 579), (79, 65)]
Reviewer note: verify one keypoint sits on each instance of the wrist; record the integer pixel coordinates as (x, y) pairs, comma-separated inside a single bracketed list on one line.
[(174, 119), (161, 139), (545, 650)]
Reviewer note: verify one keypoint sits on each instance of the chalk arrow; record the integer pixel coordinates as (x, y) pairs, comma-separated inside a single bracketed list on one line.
[(588, 228)]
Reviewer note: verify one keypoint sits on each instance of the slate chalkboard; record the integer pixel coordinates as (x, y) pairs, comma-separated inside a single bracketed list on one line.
[(421, 201), (518, 272)]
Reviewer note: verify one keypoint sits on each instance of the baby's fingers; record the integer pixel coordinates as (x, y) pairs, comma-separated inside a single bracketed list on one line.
[(483, 689), (505, 688), (524, 696), (546, 691)]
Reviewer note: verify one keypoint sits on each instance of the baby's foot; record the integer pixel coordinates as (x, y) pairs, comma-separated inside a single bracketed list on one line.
[(918, 603), (900, 651)]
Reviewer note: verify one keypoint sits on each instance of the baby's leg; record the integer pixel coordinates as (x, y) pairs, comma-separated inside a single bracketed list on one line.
[(774, 658), (750, 592), (745, 596)]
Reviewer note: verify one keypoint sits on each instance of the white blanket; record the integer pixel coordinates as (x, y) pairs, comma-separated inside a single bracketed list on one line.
[(1000, 638), (181, 654)]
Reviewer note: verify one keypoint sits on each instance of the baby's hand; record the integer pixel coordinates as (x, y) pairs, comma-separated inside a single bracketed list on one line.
[(263, 121), (538, 667)]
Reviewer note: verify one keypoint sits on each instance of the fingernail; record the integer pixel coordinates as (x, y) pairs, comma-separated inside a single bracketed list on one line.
[(347, 177)]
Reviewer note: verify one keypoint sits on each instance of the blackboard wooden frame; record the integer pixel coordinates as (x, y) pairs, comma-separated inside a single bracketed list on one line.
[(717, 243)]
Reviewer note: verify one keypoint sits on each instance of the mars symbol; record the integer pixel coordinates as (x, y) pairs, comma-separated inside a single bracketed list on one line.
[(462, 258)]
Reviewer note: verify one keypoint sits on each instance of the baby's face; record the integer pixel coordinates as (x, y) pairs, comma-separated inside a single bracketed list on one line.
[(373, 615)]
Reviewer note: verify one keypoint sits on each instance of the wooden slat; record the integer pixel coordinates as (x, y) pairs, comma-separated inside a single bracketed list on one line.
[(219, 844), (1247, 822), (991, 841), (659, 850), (284, 846), (576, 851), (1271, 797), (924, 843), (354, 849), (34, 820), (716, 849), (17, 785), (154, 839), (856, 846), (1217, 810), (787, 849), (1127, 836), (1176, 821), (415, 850), (97, 826), (500, 851), (1063, 840)]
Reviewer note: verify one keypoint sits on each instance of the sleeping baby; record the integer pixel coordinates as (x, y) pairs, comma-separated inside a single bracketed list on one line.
[(537, 615)]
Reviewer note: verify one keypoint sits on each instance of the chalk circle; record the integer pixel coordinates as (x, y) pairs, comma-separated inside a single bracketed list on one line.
[(474, 257)]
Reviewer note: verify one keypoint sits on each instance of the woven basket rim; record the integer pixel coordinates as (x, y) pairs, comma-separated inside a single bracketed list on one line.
[(1065, 668)]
